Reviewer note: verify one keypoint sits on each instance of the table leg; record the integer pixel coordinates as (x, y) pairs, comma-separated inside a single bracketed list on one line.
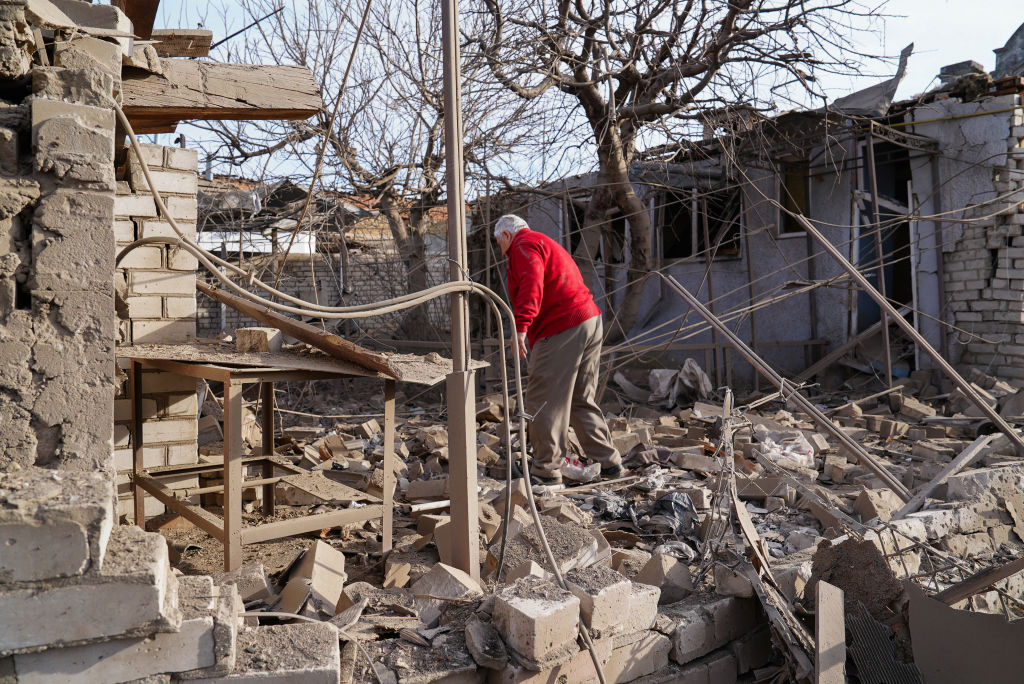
[(388, 464), (232, 475), (267, 420), (138, 495)]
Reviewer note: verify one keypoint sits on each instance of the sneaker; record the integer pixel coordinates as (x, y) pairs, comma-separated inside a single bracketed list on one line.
[(542, 480), (612, 472)]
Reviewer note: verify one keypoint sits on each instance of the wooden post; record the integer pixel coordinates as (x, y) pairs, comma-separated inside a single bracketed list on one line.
[(232, 475), (387, 516), (830, 635), (138, 495), (267, 415)]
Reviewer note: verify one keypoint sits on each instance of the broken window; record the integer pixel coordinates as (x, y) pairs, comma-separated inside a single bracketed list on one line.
[(794, 195), (690, 220), (613, 231)]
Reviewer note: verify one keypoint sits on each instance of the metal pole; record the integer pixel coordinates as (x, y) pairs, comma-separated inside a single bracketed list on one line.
[(461, 404), (876, 217), (908, 330), (789, 391)]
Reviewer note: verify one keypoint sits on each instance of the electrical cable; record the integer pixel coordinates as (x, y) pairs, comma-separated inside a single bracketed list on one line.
[(413, 299)]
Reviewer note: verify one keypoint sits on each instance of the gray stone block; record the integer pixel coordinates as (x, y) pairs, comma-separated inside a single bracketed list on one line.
[(53, 524), (134, 594)]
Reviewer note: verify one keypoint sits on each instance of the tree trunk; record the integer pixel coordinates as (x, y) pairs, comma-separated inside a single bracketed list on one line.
[(613, 175), (412, 250)]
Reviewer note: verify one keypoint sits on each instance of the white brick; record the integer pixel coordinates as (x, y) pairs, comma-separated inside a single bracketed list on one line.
[(182, 208), (152, 154), (123, 409), (180, 260), (180, 158), (124, 231), (147, 256), (181, 307), (122, 436), (163, 332), (145, 307), (182, 404), (163, 282), (155, 431), (182, 454), (157, 228), (152, 457), (134, 205), (158, 382), (176, 182)]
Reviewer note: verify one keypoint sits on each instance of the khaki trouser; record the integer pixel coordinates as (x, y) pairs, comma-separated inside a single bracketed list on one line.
[(561, 392)]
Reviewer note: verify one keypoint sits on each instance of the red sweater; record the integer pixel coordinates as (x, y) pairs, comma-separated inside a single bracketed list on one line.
[(547, 290)]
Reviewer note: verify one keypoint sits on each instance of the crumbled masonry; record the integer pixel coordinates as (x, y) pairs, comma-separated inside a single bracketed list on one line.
[(740, 538)]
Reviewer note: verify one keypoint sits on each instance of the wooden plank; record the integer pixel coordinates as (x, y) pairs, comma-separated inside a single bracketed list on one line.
[(142, 14), (838, 353), (830, 636), (204, 520), (192, 90), (232, 476), (951, 469), (324, 341), (311, 523), (387, 518), (979, 581), (182, 42)]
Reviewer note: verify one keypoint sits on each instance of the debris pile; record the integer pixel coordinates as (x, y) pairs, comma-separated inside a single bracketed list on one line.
[(706, 562)]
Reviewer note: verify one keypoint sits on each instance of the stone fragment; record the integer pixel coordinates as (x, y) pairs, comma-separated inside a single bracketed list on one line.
[(877, 503), (536, 618), (307, 652), (258, 340), (485, 645), (669, 574), (446, 582), (915, 410), (641, 610), (630, 561), (729, 582), (250, 579), (752, 650)]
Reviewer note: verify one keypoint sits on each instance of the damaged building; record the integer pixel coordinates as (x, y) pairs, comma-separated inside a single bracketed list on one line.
[(196, 486)]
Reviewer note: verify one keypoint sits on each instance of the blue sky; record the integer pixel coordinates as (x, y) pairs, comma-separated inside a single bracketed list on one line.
[(943, 31)]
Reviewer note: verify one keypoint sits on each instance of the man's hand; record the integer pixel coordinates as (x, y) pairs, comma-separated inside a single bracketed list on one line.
[(519, 344)]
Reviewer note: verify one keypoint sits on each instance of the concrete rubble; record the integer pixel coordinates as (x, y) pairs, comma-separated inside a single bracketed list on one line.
[(702, 564)]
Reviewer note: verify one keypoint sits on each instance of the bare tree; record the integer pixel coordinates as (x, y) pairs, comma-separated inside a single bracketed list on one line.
[(630, 69), (386, 141)]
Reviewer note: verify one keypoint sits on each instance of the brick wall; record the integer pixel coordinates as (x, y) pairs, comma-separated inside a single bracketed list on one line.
[(373, 276), (161, 302), (984, 273)]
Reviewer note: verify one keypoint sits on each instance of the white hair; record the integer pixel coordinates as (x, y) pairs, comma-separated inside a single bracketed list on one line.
[(509, 224)]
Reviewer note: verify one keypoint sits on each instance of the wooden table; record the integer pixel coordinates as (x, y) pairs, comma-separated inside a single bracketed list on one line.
[(235, 371)]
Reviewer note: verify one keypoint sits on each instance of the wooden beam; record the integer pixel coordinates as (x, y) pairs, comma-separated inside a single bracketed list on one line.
[(142, 14), (842, 349), (830, 635), (966, 457), (192, 90), (182, 42), (324, 341), (978, 582)]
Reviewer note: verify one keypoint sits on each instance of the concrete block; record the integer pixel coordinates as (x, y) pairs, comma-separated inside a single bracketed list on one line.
[(147, 256), (162, 282), (306, 652), (639, 658), (721, 668), (73, 241), (192, 647), (752, 650), (182, 404), (159, 382), (158, 228), (181, 307), (629, 561), (178, 430), (181, 158), (124, 231), (135, 578), (163, 332), (728, 582), (641, 609), (180, 260), (669, 574), (324, 567), (145, 307), (579, 669), (250, 580), (703, 626), (536, 618), (166, 182), (137, 206), (53, 523), (74, 141), (602, 593), (259, 340), (182, 208), (101, 16), (693, 635), (877, 503), (1000, 481)]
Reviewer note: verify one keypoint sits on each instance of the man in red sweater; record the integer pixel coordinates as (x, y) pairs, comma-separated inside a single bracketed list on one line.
[(556, 315)]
